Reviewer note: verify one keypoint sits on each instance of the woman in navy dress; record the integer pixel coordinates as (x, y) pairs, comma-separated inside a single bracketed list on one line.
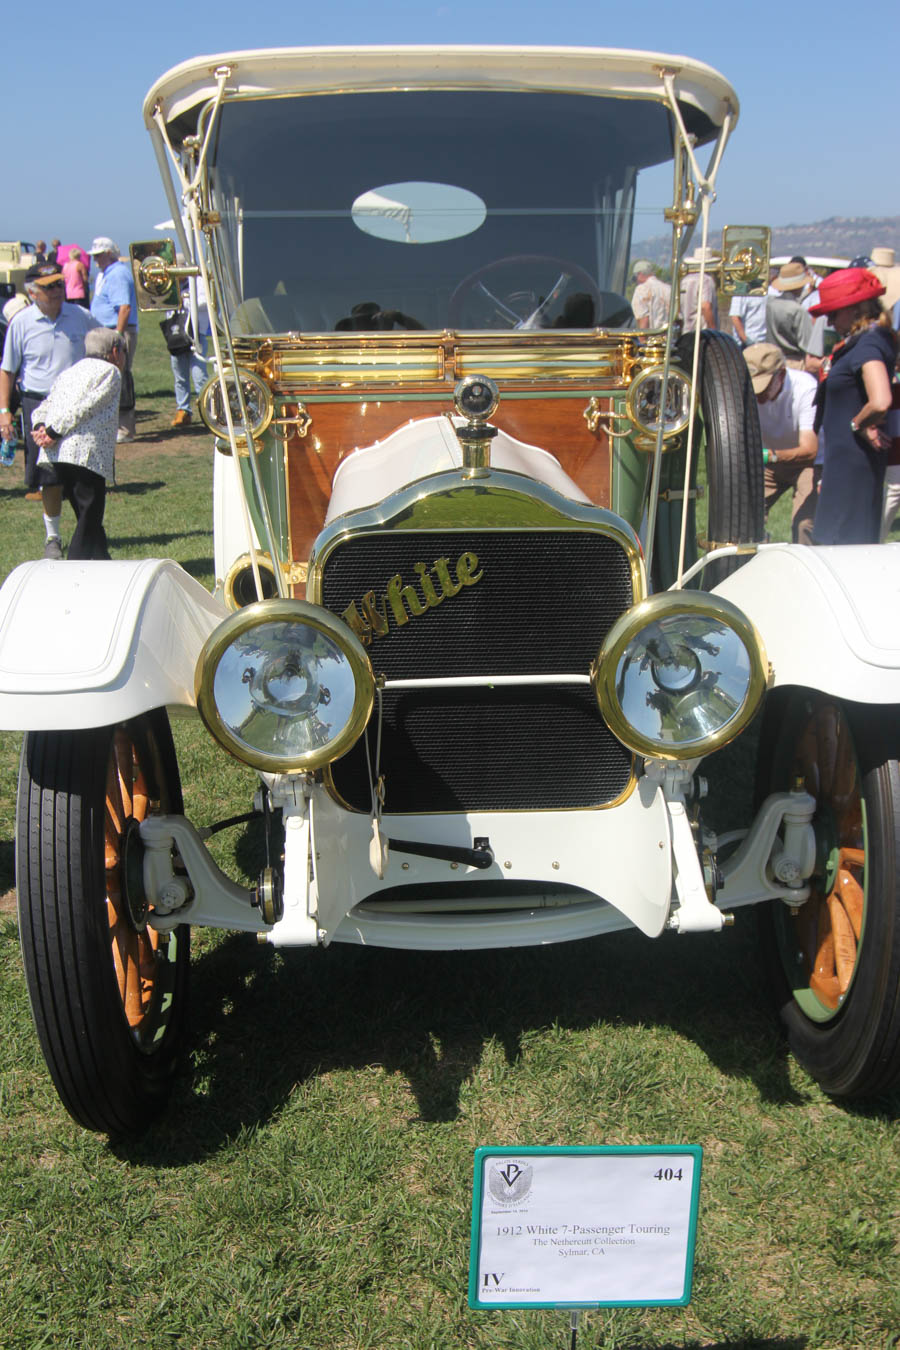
[(853, 402)]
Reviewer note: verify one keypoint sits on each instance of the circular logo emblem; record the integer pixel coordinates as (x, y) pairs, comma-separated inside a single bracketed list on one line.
[(509, 1182)]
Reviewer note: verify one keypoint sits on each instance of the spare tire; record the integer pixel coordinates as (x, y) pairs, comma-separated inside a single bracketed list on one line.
[(734, 465)]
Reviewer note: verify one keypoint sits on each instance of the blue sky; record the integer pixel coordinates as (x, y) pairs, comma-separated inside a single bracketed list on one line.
[(817, 135)]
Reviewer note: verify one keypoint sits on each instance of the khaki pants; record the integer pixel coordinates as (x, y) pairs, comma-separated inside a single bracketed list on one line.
[(798, 479), (126, 415)]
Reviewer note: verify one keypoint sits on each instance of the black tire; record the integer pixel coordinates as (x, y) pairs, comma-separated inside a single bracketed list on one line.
[(108, 994), (734, 466), (835, 963)]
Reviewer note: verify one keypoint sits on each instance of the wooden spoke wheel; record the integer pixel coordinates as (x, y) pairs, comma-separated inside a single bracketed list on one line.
[(107, 991), (835, 960)]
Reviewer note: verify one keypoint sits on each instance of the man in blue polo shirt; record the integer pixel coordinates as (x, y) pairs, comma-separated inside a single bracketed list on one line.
[(115, 306), (42, 341)]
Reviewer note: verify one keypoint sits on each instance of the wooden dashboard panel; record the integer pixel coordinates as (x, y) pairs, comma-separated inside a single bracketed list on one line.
[(337, 428)]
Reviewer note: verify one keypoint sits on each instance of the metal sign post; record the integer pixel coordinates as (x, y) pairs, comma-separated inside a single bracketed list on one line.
[(573, 1324)]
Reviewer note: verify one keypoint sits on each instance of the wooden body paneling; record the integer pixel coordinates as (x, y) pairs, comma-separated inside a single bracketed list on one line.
[(553, 422)]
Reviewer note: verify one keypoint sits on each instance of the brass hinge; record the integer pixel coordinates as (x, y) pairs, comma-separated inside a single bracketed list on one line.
[(302, 421), (681, 215), (742, 548), (677, 494), (598, 420)]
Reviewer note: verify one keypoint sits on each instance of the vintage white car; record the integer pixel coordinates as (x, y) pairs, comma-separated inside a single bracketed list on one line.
[(463, 635), (16, 256)]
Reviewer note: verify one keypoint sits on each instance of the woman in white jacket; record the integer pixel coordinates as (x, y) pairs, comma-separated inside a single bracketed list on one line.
[(76, 428)]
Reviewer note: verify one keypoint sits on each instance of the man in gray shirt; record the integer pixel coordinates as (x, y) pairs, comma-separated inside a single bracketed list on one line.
[(789, 327), (691, 296)]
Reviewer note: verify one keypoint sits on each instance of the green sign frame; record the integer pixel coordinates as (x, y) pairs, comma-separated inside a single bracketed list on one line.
[(603, 1226)]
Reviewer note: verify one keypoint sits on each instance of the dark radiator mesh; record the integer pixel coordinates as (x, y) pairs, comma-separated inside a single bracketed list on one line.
[(543, 603)]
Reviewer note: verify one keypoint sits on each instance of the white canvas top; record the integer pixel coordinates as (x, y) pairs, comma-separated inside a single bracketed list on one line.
[(319, 70)]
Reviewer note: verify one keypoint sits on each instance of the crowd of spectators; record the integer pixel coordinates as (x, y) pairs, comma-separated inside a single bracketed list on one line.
[(840, 330), (821, 353), (68, 350)]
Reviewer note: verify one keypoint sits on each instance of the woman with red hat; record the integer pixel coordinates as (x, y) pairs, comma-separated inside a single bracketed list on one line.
[(852, 403)]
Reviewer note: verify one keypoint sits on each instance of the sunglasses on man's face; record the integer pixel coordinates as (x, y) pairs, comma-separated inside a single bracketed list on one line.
[(51, 285)]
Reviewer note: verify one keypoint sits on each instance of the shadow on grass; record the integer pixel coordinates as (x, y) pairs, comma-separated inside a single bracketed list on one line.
[(7, 865), (136, 489), (124, 540), (768, 1343), (264, 1022), (189, 434), (200, 568)]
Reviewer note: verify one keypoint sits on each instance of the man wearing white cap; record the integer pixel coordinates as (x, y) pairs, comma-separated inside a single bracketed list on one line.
[(114, 305), (43, 340), (650, 302), (786, 404)]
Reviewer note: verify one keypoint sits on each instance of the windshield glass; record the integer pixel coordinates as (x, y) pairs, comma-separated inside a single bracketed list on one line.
[(430, 209)]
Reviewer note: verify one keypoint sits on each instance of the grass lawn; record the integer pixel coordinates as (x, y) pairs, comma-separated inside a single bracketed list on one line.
[(310, 1184)]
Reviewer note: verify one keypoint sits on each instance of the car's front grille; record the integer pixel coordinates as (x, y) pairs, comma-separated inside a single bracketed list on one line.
[(514, 602)]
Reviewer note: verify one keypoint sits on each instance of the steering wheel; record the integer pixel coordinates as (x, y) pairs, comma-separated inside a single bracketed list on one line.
[(521, 308)]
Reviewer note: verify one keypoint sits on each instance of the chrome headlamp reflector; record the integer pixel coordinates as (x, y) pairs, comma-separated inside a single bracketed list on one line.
[(680, 675), (284, 686), (644, 404), (211, 405), (239, 587)]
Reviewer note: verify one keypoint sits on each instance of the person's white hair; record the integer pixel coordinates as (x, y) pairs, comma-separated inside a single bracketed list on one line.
[(100, 343)]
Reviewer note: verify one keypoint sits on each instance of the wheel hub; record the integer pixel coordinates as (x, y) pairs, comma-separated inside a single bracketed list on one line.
[(269, 897), (827, 845), (136, 903)]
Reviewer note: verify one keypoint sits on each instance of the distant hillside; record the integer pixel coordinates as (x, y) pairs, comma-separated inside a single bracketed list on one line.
[(838, 237)]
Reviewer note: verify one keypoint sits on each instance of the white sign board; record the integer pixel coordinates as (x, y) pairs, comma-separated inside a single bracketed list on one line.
[(583, 1227)]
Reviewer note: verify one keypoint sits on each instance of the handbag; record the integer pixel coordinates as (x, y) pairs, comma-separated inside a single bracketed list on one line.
[(174, 332), (127, 396)]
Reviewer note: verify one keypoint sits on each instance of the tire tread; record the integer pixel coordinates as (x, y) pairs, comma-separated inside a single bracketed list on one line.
[(857, 1053), (103, 1079)]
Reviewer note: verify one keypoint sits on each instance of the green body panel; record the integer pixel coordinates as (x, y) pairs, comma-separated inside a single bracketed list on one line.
[(631, 470), (270, 461)]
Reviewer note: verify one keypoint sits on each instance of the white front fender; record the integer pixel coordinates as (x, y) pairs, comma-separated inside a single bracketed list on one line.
[(830, 617), (87, 644)]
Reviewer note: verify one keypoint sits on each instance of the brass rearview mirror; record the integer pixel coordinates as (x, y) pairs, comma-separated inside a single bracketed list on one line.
[(156, 276), (150, 262), (745, 259)]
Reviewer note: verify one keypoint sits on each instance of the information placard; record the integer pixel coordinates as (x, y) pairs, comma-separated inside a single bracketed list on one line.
[(584, 1227)]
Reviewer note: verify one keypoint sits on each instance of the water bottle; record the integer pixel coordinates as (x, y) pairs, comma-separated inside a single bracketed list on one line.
[(8, 451)]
